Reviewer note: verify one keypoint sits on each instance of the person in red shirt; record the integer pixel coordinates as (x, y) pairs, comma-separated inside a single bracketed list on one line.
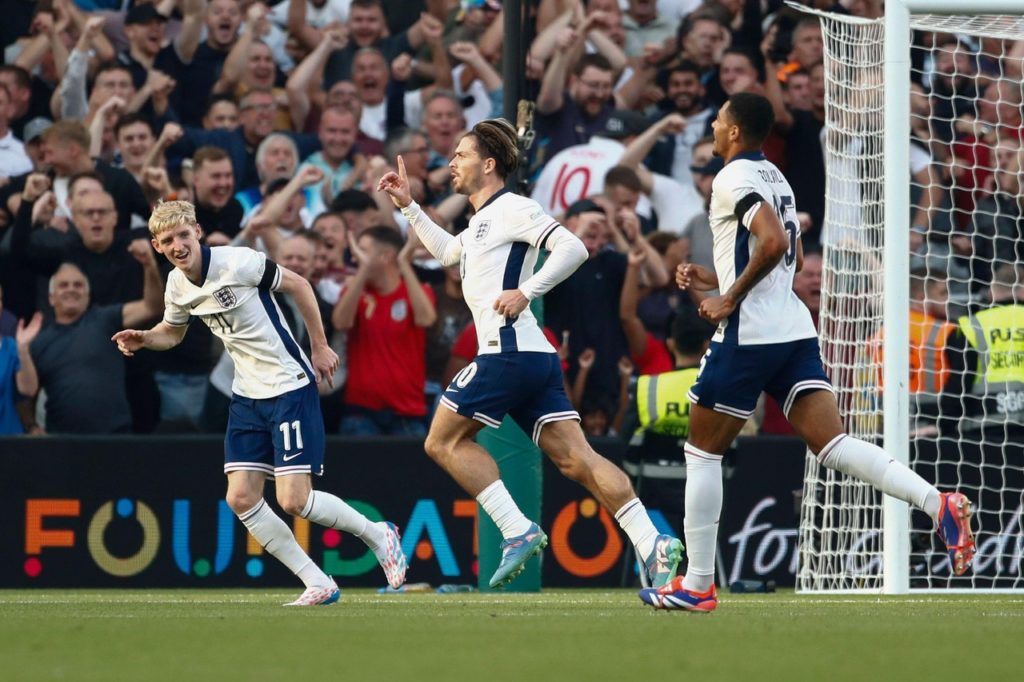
[(385, 311)]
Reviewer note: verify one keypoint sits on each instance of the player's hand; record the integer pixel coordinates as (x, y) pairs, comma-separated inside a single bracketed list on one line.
[(129, 341), (511, 302), (396, 185), (26, 333), (696, 277), (586, 358), (563, 350), (325, 363), (716, 308)]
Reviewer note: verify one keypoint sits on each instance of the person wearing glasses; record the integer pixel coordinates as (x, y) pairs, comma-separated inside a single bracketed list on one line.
[(83, 376), (103, 253), (568, 117)]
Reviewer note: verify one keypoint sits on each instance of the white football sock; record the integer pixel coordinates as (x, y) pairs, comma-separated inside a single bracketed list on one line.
[(870, 463), (700, 525), (331, 511), (276, 537), (634, 520), (502, 509)]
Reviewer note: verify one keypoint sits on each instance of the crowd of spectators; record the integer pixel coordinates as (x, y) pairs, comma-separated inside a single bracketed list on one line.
[(277, 122)]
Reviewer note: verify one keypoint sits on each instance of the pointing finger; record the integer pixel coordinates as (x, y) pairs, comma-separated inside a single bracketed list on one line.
[(401, 169)]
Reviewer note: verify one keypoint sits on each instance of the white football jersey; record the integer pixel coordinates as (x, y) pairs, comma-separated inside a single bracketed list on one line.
[(771, 311), (235, 301), (499, 252), (577, 173)]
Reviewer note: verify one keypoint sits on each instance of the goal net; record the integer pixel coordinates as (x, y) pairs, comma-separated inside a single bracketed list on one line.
[(966, 223)]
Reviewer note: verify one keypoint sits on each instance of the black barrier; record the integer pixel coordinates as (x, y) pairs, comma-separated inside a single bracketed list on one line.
[(149, 512)]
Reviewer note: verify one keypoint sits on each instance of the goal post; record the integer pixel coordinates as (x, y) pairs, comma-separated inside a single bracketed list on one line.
[(853, 539)]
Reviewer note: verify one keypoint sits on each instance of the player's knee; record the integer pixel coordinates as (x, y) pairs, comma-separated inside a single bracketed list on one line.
[(437, 448), (241, 501), (292, 502)]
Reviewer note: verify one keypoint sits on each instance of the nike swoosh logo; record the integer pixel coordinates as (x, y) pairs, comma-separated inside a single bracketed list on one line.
[(286, 458)]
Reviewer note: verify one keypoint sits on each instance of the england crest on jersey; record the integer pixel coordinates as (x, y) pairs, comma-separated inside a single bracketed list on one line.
[(482, 228), (225, 297)]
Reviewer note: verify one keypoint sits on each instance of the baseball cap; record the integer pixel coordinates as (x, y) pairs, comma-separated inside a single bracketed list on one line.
[(474, 4), (36, 127), (622, 123), (143, 14), (714, 164), (582, 206)]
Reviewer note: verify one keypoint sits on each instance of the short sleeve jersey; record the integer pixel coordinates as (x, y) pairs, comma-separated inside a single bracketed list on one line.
[(499, 252), (235, 301), (771, 311)]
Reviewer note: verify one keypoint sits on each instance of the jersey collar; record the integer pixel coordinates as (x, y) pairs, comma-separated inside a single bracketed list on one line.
[(748, 156), (503, 190), (204, 254)]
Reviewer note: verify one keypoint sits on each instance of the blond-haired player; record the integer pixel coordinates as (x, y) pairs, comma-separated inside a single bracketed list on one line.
[(274, 427)]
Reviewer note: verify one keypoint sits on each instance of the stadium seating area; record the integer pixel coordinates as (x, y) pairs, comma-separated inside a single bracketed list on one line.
[(278, 120)]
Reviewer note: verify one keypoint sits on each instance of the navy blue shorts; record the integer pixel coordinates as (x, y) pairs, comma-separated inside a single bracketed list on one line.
[(732, 377), (527, 386), (278, 436)]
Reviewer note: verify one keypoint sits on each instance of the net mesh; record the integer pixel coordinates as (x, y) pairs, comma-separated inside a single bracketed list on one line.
[(967, 222)]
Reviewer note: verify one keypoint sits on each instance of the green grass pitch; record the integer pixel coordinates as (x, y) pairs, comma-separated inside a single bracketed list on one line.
[(227, 635)]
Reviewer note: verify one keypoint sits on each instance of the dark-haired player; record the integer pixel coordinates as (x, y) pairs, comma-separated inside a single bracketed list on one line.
[(766, 342)]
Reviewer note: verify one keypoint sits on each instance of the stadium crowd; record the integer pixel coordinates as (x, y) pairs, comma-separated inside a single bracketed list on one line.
[(277, 121)]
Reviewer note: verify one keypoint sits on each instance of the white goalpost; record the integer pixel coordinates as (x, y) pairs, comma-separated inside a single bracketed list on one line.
[(921, 180)]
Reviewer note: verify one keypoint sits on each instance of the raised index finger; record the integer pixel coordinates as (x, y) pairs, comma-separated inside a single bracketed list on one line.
[(401, 169)]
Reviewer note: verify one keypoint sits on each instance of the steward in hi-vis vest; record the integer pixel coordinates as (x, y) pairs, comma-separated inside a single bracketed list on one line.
[(987, 384)]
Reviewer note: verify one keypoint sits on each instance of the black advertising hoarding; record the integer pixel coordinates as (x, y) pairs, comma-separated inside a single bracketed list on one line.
[(149, 512)]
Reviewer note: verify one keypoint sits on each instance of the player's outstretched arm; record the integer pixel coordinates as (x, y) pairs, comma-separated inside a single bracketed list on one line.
[(441, 245), (161, 337)]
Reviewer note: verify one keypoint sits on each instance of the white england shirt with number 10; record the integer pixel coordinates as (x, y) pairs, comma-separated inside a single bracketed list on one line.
[(234, 300)]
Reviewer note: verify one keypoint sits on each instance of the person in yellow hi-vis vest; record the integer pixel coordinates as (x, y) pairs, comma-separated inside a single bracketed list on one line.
[(658, 420), (986, 388)]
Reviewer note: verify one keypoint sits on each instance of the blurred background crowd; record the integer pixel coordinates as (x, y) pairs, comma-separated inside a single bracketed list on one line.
[(277, 120)]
